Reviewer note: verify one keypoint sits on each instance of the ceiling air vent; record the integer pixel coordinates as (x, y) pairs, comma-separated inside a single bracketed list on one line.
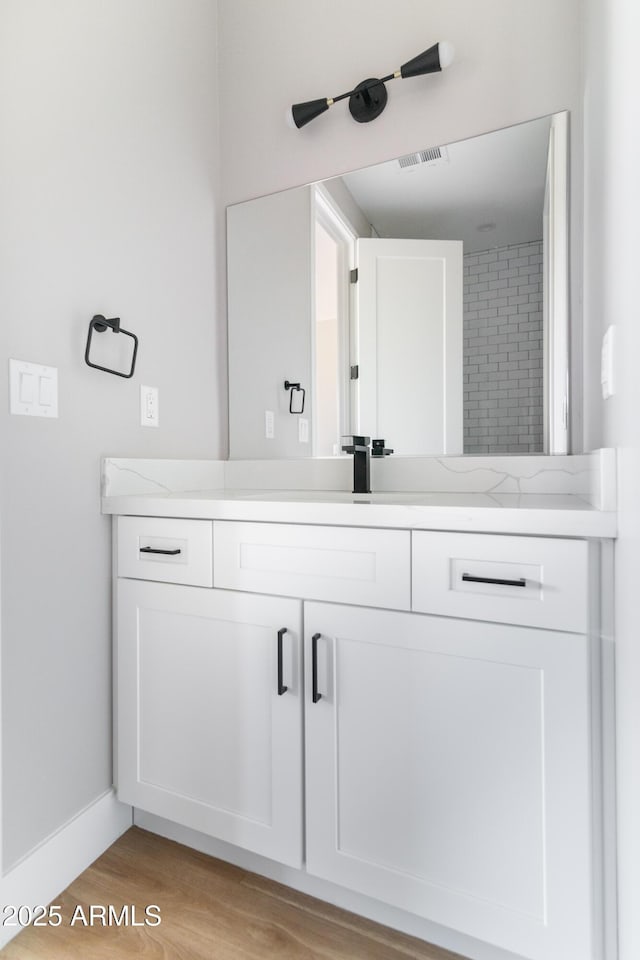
[(410, 161), (432, 156)]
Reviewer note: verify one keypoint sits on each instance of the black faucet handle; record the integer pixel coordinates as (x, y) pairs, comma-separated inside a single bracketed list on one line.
[(379, 449), (350, 443)]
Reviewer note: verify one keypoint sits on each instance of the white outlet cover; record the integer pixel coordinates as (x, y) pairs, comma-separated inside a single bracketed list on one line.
[(149, 401), (303, 430), (269, 425), (33, 389), (607, 363)]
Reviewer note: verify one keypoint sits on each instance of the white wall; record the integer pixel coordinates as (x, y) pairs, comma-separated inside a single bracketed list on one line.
[(108, 185), (514, 62), (612, 211), (597, 119)]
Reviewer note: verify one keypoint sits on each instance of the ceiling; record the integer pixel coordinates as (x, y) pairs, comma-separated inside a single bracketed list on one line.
[(488, 192)]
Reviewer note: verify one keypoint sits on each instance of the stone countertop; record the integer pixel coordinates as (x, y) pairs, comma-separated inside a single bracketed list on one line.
[(549, 515)]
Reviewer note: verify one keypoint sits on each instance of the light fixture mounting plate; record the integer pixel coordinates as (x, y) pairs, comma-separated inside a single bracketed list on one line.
[(368, 100)]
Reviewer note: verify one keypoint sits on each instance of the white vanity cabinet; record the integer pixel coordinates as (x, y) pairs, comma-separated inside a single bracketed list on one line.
[(448, 772), (442, 702)]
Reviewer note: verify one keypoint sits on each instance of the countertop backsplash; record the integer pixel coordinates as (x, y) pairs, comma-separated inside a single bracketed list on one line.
[(590, 476)]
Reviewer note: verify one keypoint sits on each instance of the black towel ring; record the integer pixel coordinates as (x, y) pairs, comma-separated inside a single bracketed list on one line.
[(288, 385), (100, 324)]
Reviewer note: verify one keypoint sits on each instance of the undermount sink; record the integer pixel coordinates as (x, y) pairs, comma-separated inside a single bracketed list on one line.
[(388, 498), (332, 496), (416, 498)]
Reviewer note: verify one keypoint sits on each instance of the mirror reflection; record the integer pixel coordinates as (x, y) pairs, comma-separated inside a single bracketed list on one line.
[(422, 301)]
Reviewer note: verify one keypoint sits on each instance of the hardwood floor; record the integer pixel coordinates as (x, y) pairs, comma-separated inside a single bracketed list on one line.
[(210, 911)]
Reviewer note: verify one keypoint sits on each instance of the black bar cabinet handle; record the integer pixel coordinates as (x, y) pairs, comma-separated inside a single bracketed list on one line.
[(168, 553), (281, 687), (521, 582), (315, 696)]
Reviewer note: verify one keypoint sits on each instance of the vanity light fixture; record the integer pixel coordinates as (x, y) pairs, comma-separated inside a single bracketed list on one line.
[(369, 98)]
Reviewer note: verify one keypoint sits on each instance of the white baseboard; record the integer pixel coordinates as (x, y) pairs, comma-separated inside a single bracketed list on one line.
[(52, 866), (324, 890)]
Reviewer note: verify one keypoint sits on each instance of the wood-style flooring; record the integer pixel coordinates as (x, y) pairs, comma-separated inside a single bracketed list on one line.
[(210, 911)]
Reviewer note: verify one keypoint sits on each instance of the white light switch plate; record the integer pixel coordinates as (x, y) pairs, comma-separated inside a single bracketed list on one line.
[(33, 389)]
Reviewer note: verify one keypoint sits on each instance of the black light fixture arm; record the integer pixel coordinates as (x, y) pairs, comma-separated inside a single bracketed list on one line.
[(368, 99), (366, 85)]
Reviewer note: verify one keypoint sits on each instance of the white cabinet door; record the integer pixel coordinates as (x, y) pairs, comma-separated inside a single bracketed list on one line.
[(448, 773), (206, 735)]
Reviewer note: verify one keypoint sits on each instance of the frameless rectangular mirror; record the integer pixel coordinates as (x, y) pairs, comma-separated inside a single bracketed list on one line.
[(423, 300)]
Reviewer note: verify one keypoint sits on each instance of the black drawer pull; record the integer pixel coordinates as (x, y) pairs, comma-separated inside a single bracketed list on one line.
[(521, 582), (167, 553), (281, 687), (315, 696)]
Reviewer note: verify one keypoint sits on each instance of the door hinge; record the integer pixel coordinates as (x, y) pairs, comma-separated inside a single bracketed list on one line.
[(355, 372), (353, 275)]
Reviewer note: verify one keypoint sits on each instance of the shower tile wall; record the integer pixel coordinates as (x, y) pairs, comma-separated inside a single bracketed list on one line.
[(503, 350)]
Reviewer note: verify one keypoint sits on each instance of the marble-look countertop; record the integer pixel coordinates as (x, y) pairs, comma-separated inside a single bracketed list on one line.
[(541, 514)]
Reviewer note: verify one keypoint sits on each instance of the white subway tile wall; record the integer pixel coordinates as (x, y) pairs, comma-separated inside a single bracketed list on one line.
[(503, 350)]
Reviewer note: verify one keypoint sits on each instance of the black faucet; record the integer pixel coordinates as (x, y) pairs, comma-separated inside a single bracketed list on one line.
[(359, 447)]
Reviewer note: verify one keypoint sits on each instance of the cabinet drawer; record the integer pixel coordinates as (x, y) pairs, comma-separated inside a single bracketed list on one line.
[(528, 580), (174, 551), (356, 566)]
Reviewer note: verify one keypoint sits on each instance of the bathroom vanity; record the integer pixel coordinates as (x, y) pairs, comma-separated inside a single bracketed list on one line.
[(402, 698)]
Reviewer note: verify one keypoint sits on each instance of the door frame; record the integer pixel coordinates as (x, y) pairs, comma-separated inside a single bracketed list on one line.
[(326, 212), (555, 302)]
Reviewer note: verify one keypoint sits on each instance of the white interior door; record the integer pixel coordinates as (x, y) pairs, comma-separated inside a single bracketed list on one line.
[(409, 332)]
